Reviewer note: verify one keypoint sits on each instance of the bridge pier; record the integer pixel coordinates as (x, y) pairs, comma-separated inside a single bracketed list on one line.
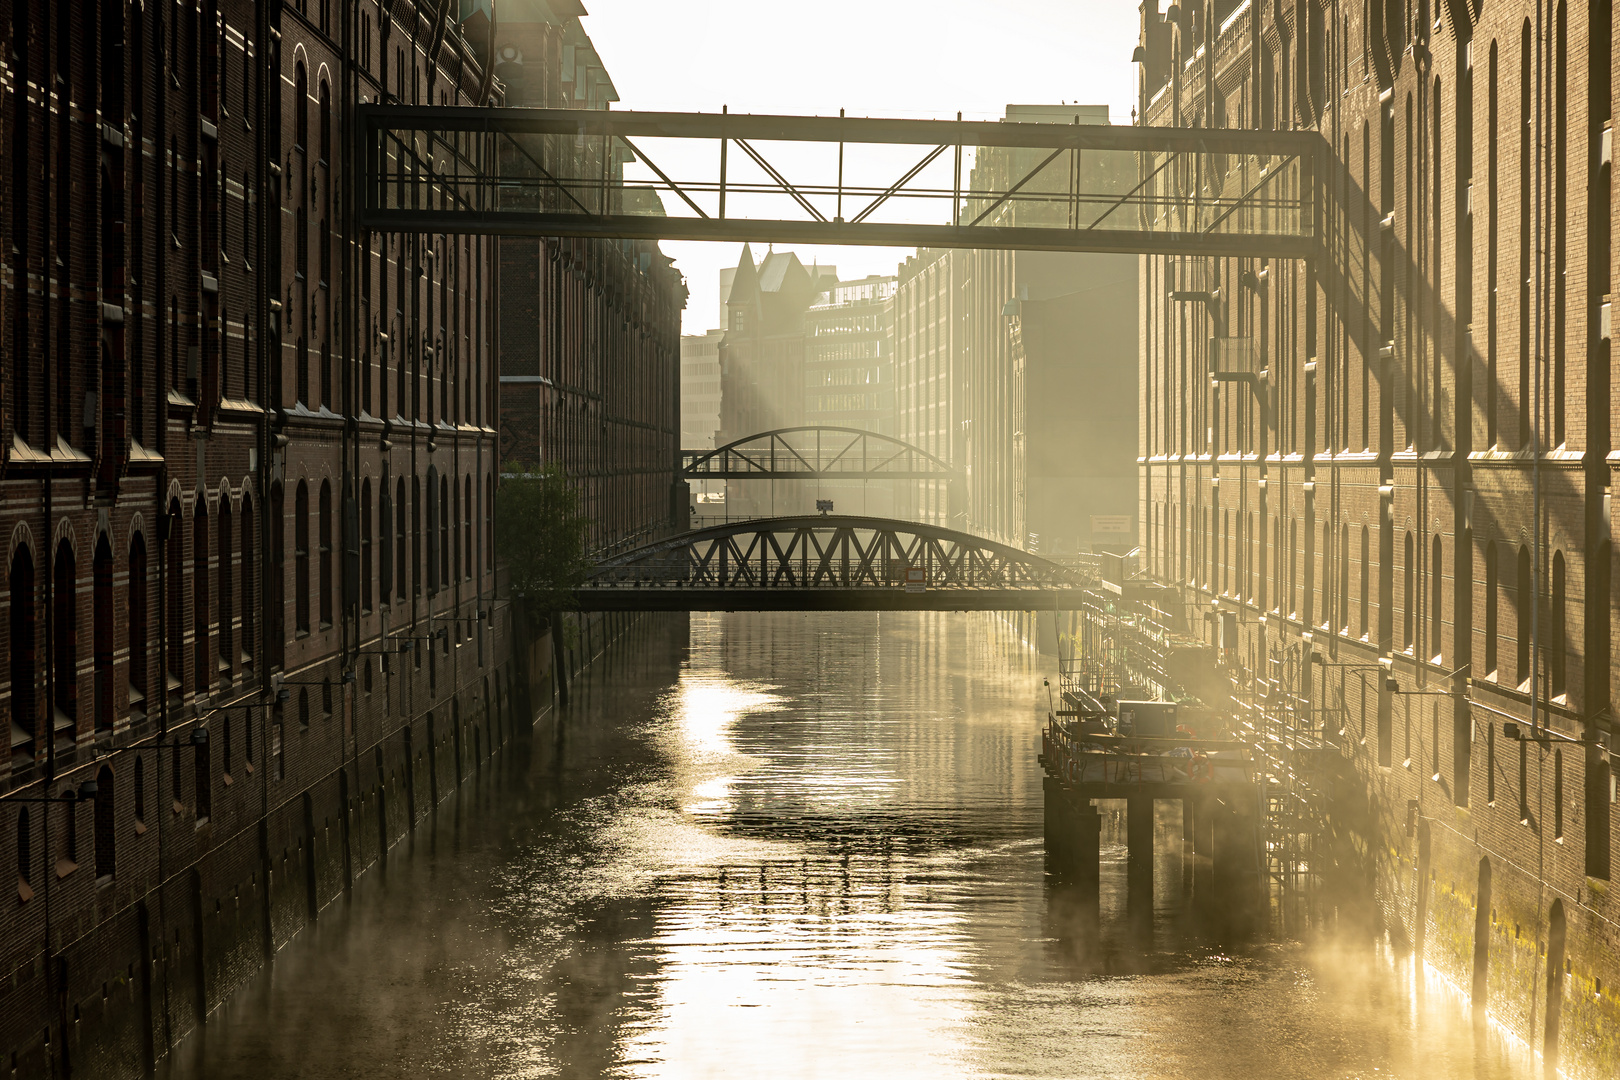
[(1139, 855), (1201, 808), (1073, 837), (1235, 873)]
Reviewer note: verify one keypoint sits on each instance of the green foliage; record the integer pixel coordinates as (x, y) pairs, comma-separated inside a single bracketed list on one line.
[(540, 538)]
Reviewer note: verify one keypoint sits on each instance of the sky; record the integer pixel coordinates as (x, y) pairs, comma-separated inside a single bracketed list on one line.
[(902, 58)]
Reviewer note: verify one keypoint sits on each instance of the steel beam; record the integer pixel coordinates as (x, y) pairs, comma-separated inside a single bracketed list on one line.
[(1126, 189), (866, 234), (626, 598)]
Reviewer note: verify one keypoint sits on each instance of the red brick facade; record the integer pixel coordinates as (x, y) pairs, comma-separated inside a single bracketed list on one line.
[(589, 329), (1381, 510), (245, 447)]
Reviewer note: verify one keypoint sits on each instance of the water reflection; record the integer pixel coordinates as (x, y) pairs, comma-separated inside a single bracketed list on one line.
[(799, 845)]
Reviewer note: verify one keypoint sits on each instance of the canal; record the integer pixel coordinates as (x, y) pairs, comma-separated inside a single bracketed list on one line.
[(800, 845)]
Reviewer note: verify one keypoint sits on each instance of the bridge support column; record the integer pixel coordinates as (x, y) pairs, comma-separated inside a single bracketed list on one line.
[(1237, 883), (1186, 846), (1073, 836), (1139, 855), (1203, 846)]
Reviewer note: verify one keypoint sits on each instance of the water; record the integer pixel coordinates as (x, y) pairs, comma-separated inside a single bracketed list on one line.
[(800, 846)]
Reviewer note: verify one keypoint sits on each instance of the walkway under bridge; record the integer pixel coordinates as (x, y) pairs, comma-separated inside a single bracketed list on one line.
[(833, 563)]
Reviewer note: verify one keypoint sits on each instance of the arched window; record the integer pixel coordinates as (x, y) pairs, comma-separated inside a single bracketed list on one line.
[(401, 557), (445, 512), (250, 585), (106, 823), (300, 106), (276, 602), (1344, 577), (434, 511), (1521, 601), (175, 601), (203, 653), (65, 641), (1558, 641), (1408, 591), (1491, 588), (1527, 70), (1492, 243), (1560, 212), (303, 709), (301, 557), (365, 545), (326, 554), (326, 124), (385, 541), (226, 549), (452, 524), (467, 525), (101, 632), (416, 535), (139, 613), (1437, 597)]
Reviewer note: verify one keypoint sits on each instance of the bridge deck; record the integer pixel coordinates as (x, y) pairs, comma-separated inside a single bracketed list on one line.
[(838, 180), (889, 598)]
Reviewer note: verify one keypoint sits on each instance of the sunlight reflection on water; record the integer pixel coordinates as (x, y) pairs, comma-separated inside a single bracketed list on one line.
[(799, 846)]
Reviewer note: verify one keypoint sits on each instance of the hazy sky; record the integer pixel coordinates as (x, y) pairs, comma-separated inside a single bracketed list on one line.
[(912, 58)]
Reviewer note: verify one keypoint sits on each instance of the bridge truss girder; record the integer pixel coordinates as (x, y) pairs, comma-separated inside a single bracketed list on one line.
[(815, 453), (837, 180), (831, 563)]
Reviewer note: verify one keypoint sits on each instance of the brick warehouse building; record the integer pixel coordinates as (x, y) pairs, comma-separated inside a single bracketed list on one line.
[(248, 457), (590, 329), (1427, 488)]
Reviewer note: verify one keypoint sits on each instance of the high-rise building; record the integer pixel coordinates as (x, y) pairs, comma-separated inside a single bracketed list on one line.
[(700, 390), (1407, 474), (1018, 368), (849, 378)]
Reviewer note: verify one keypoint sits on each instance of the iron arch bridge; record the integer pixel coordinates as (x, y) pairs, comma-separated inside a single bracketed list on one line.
[(832, 563), (814, 453)]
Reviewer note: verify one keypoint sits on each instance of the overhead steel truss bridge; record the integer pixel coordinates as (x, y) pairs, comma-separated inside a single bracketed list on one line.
[(838, 180), (814, 453), (833, 563)]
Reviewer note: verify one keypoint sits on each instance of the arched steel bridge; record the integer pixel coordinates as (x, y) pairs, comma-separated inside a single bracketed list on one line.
[(815, 453), (832, 563)]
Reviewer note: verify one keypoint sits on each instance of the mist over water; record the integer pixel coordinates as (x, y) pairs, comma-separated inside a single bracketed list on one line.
[(796, 845)]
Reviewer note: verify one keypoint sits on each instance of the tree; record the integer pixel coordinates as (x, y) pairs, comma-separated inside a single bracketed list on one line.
[(540, 538)]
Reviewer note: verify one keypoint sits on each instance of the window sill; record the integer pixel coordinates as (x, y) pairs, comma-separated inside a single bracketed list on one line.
[(140, 828), (64, 867)]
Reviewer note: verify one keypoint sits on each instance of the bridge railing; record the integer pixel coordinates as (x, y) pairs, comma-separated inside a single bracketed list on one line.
[(836, 553)]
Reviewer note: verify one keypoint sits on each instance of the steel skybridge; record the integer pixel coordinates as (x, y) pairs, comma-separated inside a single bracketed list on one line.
[(833, 563), (839, 180)]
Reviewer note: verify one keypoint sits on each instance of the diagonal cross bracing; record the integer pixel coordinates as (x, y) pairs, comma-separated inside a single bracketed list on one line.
[(1055, 187), (807, 453), (831, 562)]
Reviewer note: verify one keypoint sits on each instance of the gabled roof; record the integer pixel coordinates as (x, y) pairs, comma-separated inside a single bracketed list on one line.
[(782, 271)]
